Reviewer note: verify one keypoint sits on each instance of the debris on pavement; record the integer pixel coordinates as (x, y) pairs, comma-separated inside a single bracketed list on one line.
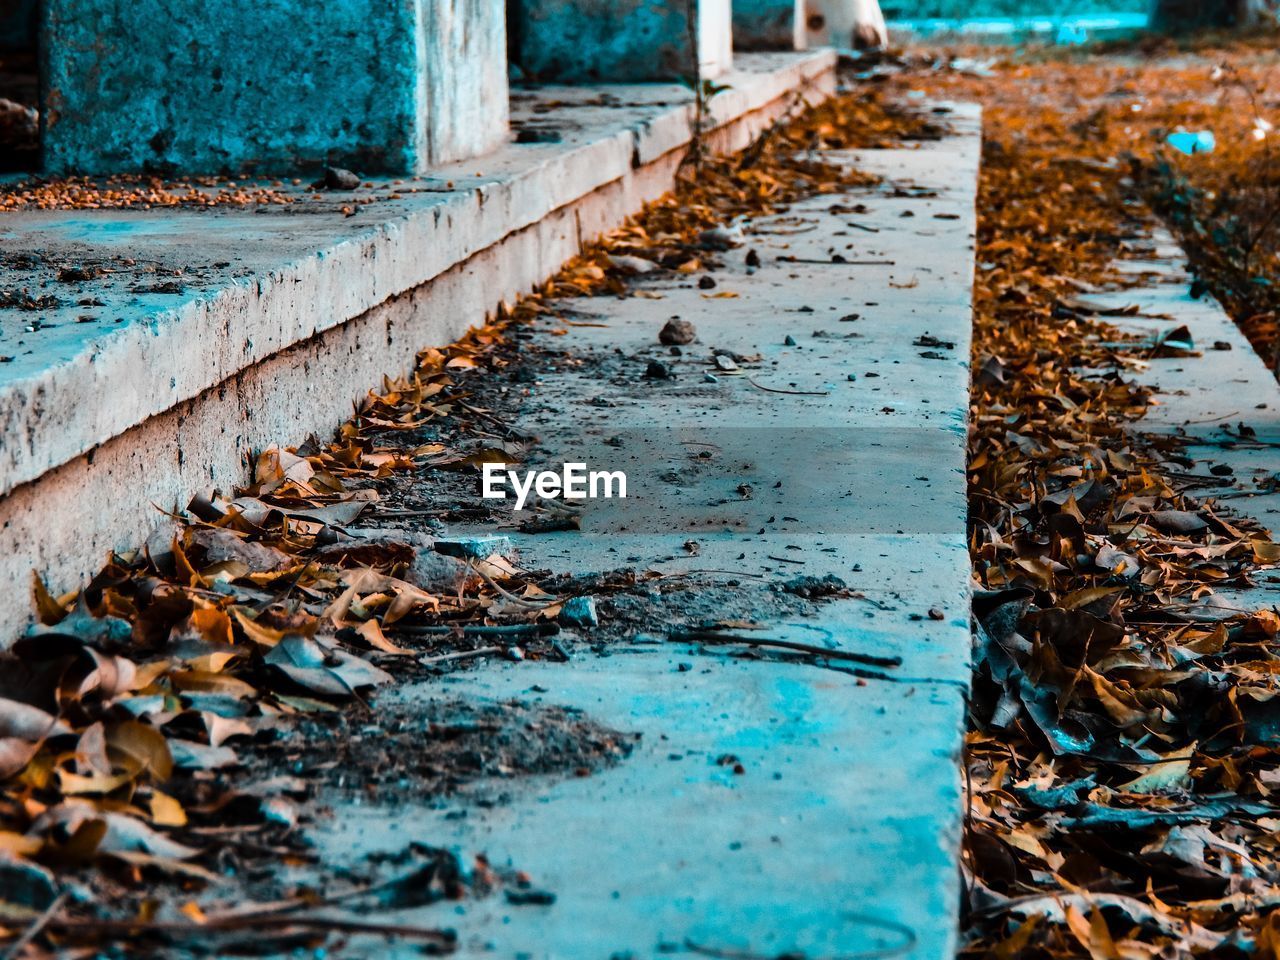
[(168, 731)]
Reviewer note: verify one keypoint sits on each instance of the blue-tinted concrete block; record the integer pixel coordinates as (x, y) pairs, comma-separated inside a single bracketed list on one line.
[(584, 41), (271, 85), (768, 25)]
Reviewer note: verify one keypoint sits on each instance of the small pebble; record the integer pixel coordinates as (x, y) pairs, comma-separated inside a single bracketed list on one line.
[(790, 341), (580, 612), (725, 362), (677, 332), (337, 178)]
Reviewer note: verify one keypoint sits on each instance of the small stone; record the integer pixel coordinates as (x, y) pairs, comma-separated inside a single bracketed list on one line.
[(439, 573), (336, 178), (657, 371), (631, 266), (677, 332), (790, 341), (1221, 345), (753, 258), (580, 612), (473, 548), (725, 362), (852, 377), (279, 810), (936, 614), (706, 283), (710, 378)]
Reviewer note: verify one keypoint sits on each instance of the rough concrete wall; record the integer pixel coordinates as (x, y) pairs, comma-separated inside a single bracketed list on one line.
[(463, 81), (768, 25), (266, 85), (577, 41)]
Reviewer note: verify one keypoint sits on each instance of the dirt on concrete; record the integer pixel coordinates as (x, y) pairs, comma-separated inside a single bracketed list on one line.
[(427, 751)]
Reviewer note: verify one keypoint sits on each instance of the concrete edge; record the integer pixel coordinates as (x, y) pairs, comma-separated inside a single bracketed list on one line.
[(105, 498), (275, 311)]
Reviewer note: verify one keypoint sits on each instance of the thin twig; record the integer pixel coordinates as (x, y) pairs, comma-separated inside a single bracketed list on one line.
[(38, 924), (839, 263), (794, 393), (543, 629), (521, 601), (460, 655), (712, 636), (249, 923)]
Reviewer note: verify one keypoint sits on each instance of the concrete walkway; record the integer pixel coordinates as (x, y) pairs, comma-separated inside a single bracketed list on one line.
[(774, 806)]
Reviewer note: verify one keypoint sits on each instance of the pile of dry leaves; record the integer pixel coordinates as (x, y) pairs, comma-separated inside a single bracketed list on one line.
[(126, 713), (1124, 752)]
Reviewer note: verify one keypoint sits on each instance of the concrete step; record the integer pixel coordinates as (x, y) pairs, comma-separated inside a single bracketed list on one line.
[(840, 835), (204, 334), (1206, 398)]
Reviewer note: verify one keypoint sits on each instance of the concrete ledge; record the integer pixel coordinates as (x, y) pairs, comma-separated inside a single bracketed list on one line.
[(289, 314)]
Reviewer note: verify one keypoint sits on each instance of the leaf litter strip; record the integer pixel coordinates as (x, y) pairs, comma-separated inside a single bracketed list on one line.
[(123, 710), (1123, 755)]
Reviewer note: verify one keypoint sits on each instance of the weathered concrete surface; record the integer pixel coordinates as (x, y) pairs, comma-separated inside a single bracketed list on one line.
[(841, 836), (588, 41), (286, 317), (376, 87), (769, 25)]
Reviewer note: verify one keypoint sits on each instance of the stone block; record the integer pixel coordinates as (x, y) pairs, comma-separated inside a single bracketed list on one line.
[(271, 86), (621, 41), (769, 25)]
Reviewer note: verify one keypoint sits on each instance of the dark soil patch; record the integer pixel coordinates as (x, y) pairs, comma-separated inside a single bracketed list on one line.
[(424, 751)]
